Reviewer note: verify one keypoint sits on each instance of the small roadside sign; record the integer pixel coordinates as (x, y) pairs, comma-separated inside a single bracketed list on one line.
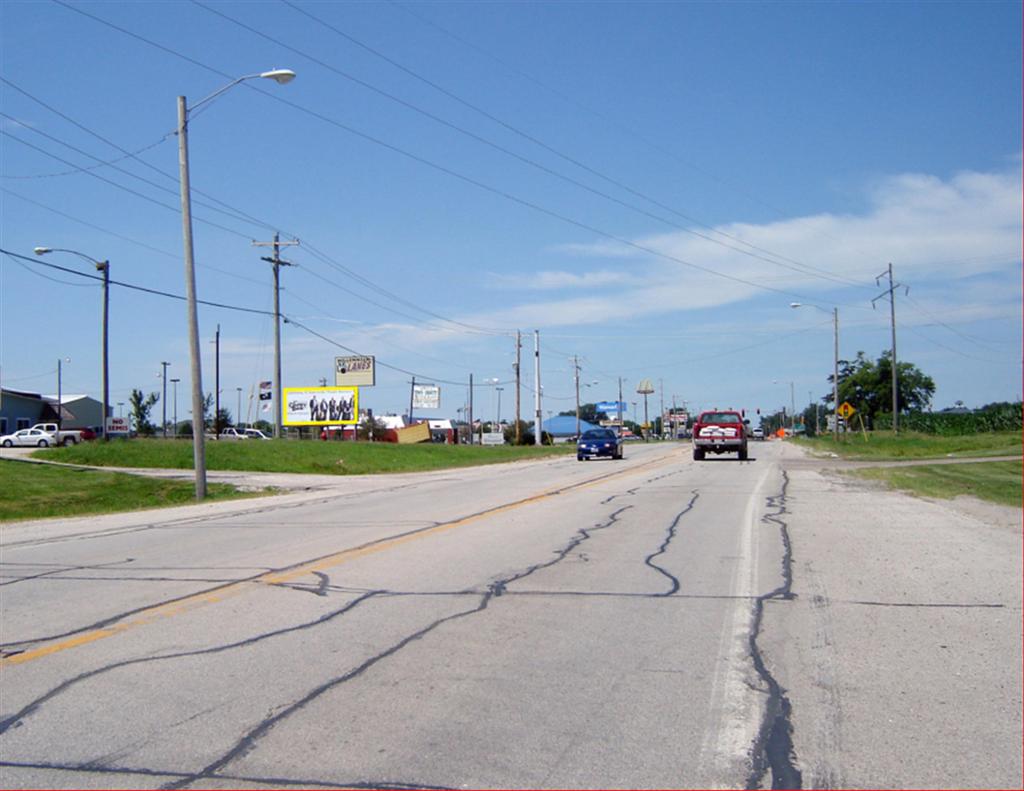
[(845, 410)]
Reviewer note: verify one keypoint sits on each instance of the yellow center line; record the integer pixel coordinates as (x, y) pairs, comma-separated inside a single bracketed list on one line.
[(189, 603)]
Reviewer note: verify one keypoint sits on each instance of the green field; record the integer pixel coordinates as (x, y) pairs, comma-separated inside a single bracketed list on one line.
[(38, 491), (995, 481), (312, 456), (914, 445)]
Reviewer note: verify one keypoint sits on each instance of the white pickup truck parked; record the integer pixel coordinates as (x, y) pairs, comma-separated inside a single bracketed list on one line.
[(64, 437)]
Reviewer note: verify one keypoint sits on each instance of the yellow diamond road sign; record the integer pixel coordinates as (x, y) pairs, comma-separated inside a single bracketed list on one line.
[(845, 410)]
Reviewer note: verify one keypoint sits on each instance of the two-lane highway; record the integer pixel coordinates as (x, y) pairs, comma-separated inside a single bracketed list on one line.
[(554, 624)]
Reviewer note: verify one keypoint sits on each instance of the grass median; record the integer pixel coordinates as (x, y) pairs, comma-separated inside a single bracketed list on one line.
[(994, 481), (884, 445), (39, 491), (295, 456)]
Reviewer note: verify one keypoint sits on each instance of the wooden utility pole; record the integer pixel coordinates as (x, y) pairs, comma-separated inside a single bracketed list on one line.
[(519, 348), (891, 291), (277, 244)]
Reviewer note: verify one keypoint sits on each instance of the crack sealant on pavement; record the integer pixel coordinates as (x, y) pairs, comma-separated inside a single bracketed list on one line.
[(773, 749)]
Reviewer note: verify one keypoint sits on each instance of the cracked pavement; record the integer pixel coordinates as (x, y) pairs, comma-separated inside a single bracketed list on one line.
[(649, 623)]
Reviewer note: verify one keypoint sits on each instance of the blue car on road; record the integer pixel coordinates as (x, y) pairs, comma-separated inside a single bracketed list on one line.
[(599, 442)]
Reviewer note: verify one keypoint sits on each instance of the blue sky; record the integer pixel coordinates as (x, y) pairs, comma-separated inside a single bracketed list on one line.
[(649, 185)]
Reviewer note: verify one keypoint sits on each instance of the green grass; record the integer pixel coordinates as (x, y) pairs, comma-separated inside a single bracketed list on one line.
[(995, 481), (913, 445), (38, 491), (312, 456)]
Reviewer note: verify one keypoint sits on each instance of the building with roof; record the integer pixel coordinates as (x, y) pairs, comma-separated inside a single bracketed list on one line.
[(21, 409)]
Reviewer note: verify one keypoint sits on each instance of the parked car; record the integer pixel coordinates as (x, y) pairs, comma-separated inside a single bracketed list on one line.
[(720, 431), (599, 442), (60, 436), (233, 433), (255, 433), (28, 438)]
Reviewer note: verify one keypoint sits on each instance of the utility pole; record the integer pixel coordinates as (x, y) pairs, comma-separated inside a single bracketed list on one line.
[(891, 291), (620, 407), (163, 400), (472, 438), (175, 383), (412, 396), (277, 244), (519, 348), (835, 375), (536, 394), (576, 378), (216, 384), (661, 419), (60, 423), (104, 266), (792, 406)]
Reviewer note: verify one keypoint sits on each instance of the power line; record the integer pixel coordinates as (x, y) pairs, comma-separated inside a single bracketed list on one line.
[(776, 259), (455, 174)]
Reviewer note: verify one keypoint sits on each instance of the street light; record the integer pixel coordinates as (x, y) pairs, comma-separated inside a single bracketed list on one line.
[(104, 267), (835, 364), (280, 76)]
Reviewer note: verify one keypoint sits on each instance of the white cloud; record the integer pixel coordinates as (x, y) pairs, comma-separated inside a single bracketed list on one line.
[(935, 232), (929, 228), (548, 280)]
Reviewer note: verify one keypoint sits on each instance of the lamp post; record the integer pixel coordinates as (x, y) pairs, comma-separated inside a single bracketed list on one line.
[(175, 383), (238, 412), (499, 390), (104, 267), (835, 364), (280, 76)]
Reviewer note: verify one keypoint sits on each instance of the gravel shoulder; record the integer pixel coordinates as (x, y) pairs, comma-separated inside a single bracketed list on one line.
[(901, 651)]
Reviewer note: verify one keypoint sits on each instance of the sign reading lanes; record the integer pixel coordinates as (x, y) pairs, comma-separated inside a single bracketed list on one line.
[(359, 371)]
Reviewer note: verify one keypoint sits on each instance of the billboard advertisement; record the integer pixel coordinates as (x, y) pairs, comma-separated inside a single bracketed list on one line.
[(359, 371), (320, 406), (609, 407), (426, 397)]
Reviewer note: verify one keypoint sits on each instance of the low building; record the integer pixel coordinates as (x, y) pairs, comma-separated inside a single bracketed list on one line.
[(21, 409)]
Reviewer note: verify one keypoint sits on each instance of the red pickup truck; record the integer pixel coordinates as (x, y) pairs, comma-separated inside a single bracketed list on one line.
[(720, 431)]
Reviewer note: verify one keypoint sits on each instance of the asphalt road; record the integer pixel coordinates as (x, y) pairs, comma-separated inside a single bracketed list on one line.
[(650, 623)]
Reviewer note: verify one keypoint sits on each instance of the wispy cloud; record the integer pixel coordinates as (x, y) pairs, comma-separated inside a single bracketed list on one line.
[(548, 280), (935, 231)]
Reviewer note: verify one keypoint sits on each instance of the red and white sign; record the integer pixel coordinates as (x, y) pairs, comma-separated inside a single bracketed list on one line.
[(118, 425)]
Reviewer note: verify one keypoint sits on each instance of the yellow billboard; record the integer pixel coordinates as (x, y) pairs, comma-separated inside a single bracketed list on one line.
[(320, 406)]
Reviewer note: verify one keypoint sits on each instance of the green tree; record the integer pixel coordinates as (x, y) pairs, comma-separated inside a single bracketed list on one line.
[(140, 407), (223, 420), (371, 429), (867, 386), (588, 412)]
